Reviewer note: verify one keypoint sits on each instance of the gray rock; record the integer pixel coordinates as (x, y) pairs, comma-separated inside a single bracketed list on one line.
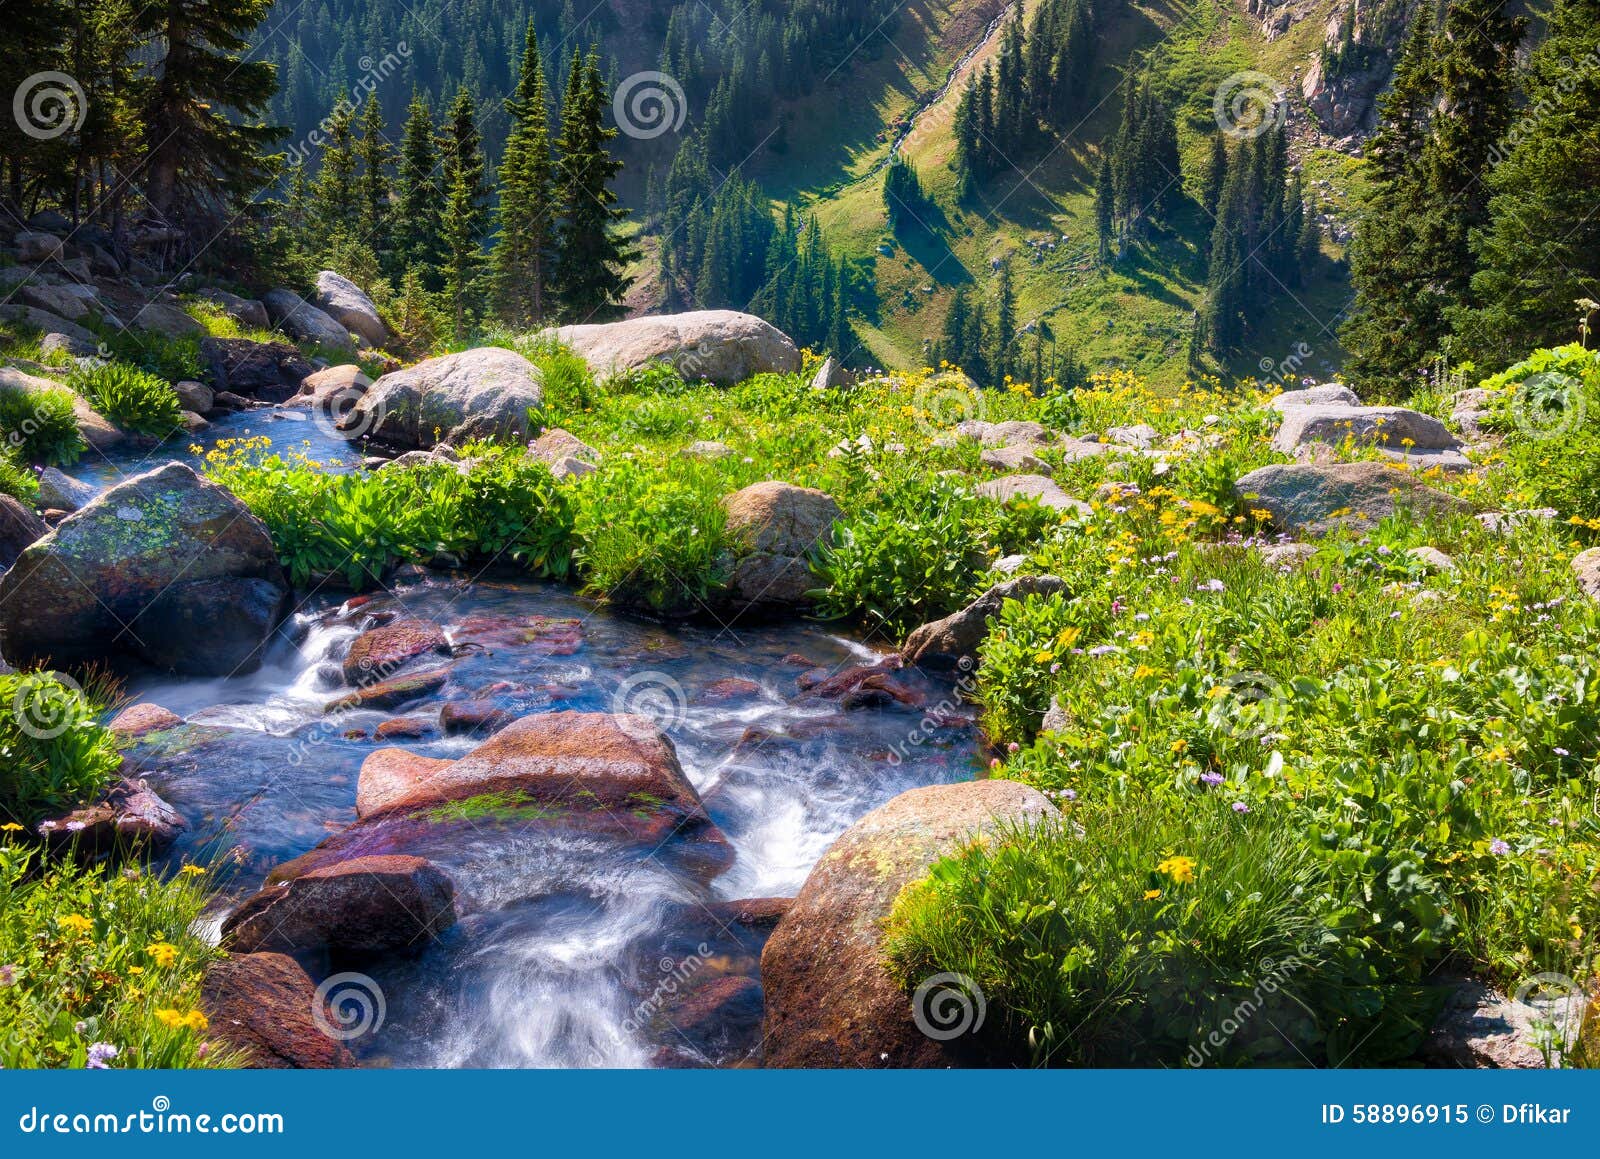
[(1288, 555), (1040, 489), (1016, 459), (347, 304), (707, 449), (1140, 435), (557, 444), (63, 492), (270, 371), (62, 301), (1304, 497), (1331, 394), (721, 346), (36, 246), (1015, 433), (1432, 558), (65, 344), (194, 396), (1505, 522), (164, 566), (47, 322), (830, 375), (1586, 565), (485, 393), (245, 311), (953, 642), (166, 320), (19, 529), (1383, 426), (304, 322), (774, 528), (1480, 1027)]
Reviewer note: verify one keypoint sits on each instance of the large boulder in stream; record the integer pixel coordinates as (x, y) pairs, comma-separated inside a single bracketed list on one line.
[(720, 346), (165, 566), (830, 1002), (267, 1008), (486, 393), (364, 905)]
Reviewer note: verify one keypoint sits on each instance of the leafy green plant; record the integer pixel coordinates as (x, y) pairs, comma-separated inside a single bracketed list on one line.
[(53, 753), (39, 426), (15, 478), (172, 359), (132, 398)]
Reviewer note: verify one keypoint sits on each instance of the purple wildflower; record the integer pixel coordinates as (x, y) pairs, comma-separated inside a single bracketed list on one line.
[(1211, 778), (8, 975), (100, 1056), (1499, 847), (1240, 807)]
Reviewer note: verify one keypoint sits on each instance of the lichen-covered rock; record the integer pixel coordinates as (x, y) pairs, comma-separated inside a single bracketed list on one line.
[(829, 1000), (953, 642), (720, 346), (19, 529), (165, 566), (485, 393), (1392, 427), (347, 304), (304, 322), (1316, 497), (774, 528)]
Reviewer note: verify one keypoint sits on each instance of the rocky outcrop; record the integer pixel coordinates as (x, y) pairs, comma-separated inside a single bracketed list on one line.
[(485, 393), (1393, 428), (62, 492), (774, 528), (1316, 497), (1043, 491), (131, 818), (46, 322), (1480, 1027), (164, 566), (364, 905), (265, 1006), (720, 346), (347, 304), (953, 642), (829, 1000), (19, 528), (269, 371), (304, 322)]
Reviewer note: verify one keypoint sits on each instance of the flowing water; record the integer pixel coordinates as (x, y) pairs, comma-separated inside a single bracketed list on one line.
[(572, 949)]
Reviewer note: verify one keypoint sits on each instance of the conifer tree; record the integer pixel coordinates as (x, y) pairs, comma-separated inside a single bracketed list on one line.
[(591, 260), (466, 217), (335, 199), (524, 252), (1105, 212), (373, 152), (420, 193)]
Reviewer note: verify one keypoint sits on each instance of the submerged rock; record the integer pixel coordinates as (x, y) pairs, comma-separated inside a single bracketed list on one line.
[(829, 1000), (720, 346), (381, 652), (165, 566), (265, 1006), (362, 905), (131, 818)]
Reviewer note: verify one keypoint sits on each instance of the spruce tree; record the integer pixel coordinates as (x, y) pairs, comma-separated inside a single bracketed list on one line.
[(1215, 175), (373, 152), (419, 239), (1105, 212), (335, 199), (524, 252), (466, 219), (590, 263)]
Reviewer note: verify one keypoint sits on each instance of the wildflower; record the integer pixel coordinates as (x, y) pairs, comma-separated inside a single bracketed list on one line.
[(1560, 752), (1151, 894), (170, 1018), (10, 827), (1240, 807), (100, 1055), (1013, 747), (77, 923), (1337, 588), (1102, 649), (1179, 745), (195, 1020), (1180, 869), (1070, 794), (191, 871), (8, 975), (163, 953), (1211, 778), (1499, 847)]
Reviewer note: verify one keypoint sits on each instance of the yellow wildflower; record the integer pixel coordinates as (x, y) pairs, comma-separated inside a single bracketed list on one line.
[(170, 1018), (162, 953), (1180, 869), (1151, 894), (191, 871), (77, 923)]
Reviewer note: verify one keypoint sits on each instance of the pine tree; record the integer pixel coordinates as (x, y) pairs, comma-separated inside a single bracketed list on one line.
[(1215, 175), (466, 218), (1004, 358), (335, 199), (201, 115), (1540, 249), (591, 259), (419, 239), (375, 155), (1105, 214), (953, 338), (524, 253)]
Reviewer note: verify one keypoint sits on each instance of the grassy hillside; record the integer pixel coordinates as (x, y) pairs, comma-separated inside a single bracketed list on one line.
[(1040, 215)]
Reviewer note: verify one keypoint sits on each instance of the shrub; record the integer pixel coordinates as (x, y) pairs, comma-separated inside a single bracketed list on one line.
[(40, 426), (53, 753), (653, 540), (132, 398), (1547, 413), (1131, 934), (916, 558), (172, 359), (102, 966), (15, 478)]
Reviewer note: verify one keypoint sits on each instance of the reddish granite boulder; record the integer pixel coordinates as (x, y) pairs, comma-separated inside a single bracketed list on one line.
[(379, 653), (364, 905), (138, 719), (262, 1004)]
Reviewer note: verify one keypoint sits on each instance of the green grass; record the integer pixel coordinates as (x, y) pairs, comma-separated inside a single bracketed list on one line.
[(54, 755)]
